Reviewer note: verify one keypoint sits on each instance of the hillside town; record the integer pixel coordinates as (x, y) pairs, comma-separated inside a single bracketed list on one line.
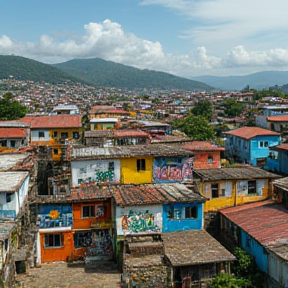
[(106, 175)]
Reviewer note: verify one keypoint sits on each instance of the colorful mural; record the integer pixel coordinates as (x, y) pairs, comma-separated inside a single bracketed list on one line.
[(138, 221), (104, 176), (172, 169), (54, 215)]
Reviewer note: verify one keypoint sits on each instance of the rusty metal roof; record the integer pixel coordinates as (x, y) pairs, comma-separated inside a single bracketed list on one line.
[(202, 146), (116, 133), (8, 161), (265, 221), (143, 194), (127, 195), (155, 150), (192, 247), (233, 173)]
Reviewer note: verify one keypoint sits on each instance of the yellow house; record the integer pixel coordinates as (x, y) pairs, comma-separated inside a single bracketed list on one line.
[(225, 187), (54, 131)]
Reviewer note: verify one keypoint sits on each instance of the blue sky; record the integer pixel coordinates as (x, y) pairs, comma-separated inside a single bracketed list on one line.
[(183, 37)]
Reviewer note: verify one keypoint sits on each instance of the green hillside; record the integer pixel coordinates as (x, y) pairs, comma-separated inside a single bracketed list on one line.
[(26, 69), (111, 74)]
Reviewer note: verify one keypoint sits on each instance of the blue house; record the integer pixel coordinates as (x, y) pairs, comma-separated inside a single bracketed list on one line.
[(157, 208), (261, 230), (250, 145), (278, 159)]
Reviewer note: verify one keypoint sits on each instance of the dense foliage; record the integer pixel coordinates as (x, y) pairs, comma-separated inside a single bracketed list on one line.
[(224, 280), (204, 109), (196, 127), (233, 108), (21, 68), (11, 109), (111, 74)]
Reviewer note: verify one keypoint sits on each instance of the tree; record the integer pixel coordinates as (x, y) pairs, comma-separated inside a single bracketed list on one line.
[(224, 280), (195, 127), (232, 108), (204, 109), (11, 109)]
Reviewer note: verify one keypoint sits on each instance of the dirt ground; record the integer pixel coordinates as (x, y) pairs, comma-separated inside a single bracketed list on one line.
[(70, 275)]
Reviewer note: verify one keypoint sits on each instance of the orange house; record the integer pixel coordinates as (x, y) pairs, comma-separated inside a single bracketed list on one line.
[(93, 228), (206, 155)]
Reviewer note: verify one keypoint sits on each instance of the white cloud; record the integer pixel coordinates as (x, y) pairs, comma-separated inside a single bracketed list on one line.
[(109, 41)]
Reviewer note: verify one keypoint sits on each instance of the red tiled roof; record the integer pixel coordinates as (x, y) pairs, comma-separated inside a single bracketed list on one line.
[(202, 146), (53, 121), (13, 132), (265, 221), (250, 132), (279, 118), (130, 133)]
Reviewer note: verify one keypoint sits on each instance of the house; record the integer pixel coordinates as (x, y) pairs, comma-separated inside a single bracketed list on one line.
[(250, 145), (232, 186), (206, 154), (152, 127), (135, 164), (66, 109), (102, 111), (120, 137), (13, 135), (261, 230), (277, 160), (194, 258), (54, 132), (103, 123)]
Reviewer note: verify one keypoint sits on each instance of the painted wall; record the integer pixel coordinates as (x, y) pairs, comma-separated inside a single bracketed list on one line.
[(178, 221), (232, 193), (129, 173), (99, 221), (278, 269), (54, 215), (35, 136), (137, 219), (172, 169), (70, 132), (95, 171), (251, 246), (62, 253)]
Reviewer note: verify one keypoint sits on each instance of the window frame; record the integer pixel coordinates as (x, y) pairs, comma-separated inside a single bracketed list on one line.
[(214, 189), (40, 133), (91, 211), (191, 212), (141, 164), (47, 240), (252, 184)]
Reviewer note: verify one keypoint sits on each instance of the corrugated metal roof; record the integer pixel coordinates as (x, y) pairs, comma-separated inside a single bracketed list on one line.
[(281, 183), (250, 132), (265, 221), (144, 194), (128, 195), (194, 247), (155, 150), (11, 181), (8, 161), (233, 173)]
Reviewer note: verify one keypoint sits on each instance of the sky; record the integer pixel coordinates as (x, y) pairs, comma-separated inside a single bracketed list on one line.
[(186, 38)]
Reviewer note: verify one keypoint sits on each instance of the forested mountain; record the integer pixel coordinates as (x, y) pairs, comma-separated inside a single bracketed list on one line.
[(21, 68), (111, 74), (260, 80)]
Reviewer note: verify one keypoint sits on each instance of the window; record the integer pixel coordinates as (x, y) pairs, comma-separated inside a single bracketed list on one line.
[(111, 166), (82, 239), (141, 165), (210, 159), (177, 214), (248, 242), (272, 126), (12, 143), (75, 135), (191, 212), (53, 240), (88, 211), (41, 134), (55, 151), (8, 198), (251, 187), (263, 144), (64, 135), (215, 190), (55, 134)]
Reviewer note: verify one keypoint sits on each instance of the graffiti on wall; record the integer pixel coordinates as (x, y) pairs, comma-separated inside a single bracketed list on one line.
[(104, 176), (137, 221), (172, 169)]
